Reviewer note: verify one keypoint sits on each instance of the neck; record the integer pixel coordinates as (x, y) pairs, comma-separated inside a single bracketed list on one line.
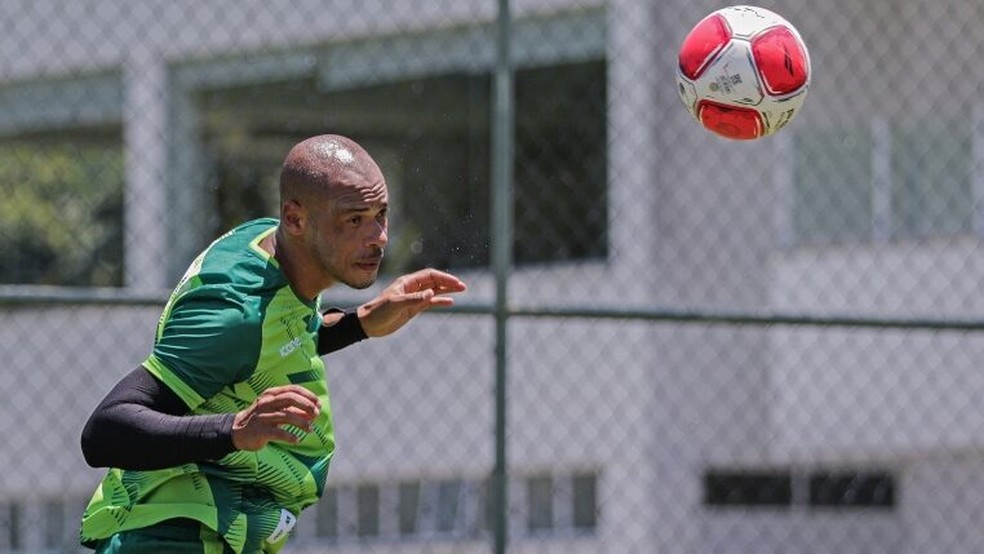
[(301, 272)]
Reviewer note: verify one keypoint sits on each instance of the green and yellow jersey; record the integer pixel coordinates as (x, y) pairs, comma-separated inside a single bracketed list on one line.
[(232, 328)]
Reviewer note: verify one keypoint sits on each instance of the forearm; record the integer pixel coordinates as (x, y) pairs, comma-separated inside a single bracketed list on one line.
[(141, 425)]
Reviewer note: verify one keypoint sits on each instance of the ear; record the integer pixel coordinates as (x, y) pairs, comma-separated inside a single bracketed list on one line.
[(293, 217)]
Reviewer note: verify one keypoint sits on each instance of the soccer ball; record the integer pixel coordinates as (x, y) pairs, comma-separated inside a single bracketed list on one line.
[(744, 72)]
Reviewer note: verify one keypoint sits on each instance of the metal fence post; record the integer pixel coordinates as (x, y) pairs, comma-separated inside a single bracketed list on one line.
[(501, 233)]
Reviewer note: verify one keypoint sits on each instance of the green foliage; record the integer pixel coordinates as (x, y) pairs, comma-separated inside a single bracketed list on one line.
[(61, 217)]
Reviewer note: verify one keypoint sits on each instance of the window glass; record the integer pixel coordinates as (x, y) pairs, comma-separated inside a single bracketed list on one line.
[(61, 218), (368, 510), (931, 178), (832, 193), (539, 503), (54, 522), (11, 522), (408, 504), (585, 499), (859, 489), (561, 210), (927, 188), (772, 488), (448, 505), (431, 136), (326, 517), (556, 505)]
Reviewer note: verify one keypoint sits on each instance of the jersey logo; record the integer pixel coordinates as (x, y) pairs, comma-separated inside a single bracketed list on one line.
[(291, 346)]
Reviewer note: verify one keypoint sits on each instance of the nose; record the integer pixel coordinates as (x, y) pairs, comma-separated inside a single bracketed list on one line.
[(379, 236)]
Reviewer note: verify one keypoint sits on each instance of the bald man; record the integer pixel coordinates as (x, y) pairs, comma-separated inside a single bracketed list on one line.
[(224, 434)]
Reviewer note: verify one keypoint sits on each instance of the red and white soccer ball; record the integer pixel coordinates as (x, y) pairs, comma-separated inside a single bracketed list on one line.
[(744, 72)]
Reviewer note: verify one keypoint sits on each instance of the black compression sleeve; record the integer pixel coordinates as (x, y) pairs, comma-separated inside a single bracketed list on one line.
[(141, 425), (345, 332)]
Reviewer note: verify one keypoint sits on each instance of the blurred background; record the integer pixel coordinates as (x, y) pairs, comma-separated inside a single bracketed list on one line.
[(672, 342)]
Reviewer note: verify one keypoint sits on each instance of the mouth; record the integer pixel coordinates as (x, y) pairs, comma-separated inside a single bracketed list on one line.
[(369, 264)]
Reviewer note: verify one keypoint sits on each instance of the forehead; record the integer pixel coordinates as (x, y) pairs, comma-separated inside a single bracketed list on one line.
[(359, 194)]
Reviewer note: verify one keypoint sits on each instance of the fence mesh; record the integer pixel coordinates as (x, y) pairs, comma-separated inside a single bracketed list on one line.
[(713, 346)]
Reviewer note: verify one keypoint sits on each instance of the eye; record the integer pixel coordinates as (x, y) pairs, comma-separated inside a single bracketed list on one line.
[(355, 220)]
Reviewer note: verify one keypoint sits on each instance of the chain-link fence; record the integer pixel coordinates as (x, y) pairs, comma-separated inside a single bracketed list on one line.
[(710, 345)]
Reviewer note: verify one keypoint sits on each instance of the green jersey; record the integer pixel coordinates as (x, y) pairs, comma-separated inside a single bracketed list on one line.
[(232, 328)]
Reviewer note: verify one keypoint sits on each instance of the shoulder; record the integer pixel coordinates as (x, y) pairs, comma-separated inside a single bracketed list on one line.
[(216, 306), (230, 283), (238, 249), (236, 261)]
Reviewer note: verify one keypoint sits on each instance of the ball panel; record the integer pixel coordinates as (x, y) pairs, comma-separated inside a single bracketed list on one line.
[(703, 43), (688, 94), (730, 121), (778, 114), (746, 21), (781, 60), (731, 78)]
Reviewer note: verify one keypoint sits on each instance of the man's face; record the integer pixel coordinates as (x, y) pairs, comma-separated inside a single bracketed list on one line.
[(349, 231)]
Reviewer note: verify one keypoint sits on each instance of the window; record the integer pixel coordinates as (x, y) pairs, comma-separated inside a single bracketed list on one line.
[(61, 177), (832, 176), (448, 506), (40, 524), (747, 488), (425, 114), (818, 488), (11, 525), (554, 505), (585, 500), (408, 505), (561, 504), (539, 504), (61, 219), (326, 517), (368, 503), (881, 180), (931, 178), (560, 184), (56, 523), (844, 489)]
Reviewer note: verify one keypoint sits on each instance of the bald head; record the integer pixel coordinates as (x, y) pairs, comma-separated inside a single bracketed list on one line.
[(333, 222), (316, 165)]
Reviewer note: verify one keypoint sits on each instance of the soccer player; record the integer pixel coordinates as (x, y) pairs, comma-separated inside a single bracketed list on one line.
[(224, 434)]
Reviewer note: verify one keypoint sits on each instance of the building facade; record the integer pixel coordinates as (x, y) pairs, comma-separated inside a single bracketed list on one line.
[(684, 420)]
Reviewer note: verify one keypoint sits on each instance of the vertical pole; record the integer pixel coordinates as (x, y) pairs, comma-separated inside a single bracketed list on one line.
[(145, 122), (501, 250), (977, 169)]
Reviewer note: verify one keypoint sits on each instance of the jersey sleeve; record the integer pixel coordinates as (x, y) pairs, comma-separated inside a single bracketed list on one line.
[(208, 342)]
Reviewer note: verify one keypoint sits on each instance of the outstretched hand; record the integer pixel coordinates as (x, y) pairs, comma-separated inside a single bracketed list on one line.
[(406, 297)]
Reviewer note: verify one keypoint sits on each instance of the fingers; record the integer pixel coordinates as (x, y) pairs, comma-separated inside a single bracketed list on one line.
[(440, 302), (289, 404), (426, 288), (445, 282), (432, 279), (291, 389), (290, 396), (287, 416), (277, 407), (406, 297)]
